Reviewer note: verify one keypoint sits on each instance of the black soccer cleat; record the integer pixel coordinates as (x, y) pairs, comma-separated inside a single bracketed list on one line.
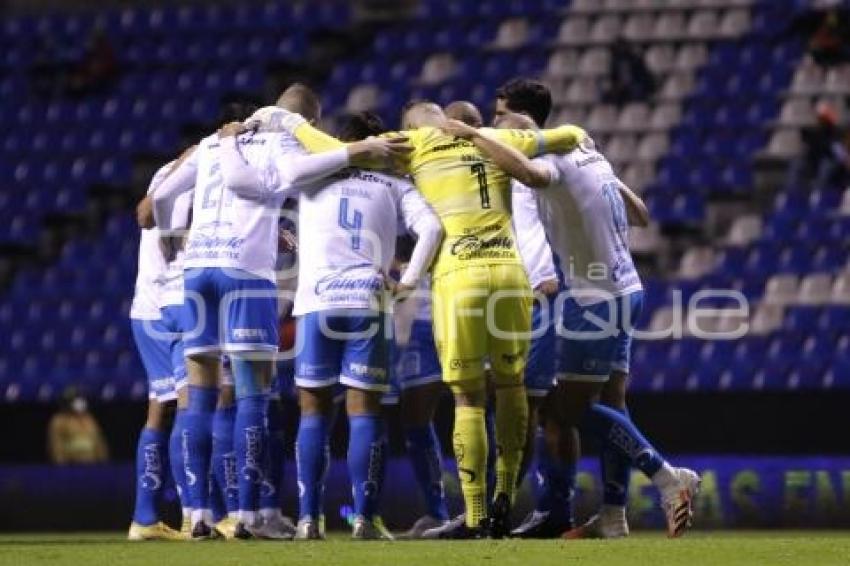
[(241, 532), (202, 531), (498, 524)]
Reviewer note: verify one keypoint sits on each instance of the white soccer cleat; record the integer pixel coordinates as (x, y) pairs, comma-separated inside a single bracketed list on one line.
[(600, 526), (274, 527), (422, 524), (677, 501), (448, 526), (308, 529), (365, 529)]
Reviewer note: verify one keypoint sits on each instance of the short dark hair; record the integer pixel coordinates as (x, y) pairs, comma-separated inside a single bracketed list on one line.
[(528, 96), (360, 126), (236, 111)]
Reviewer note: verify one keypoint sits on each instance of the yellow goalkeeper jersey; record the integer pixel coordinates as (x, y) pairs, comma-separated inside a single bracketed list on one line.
[(468, 192)]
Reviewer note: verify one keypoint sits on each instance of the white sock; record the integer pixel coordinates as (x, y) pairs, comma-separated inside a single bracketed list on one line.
[(269, 513), (665, 478), (248, 518), (201, 515), (611, 513), (233, 515), (187, 514)]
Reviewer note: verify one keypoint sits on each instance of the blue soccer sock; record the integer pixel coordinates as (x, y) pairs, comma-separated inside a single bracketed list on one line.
[(176, 458), (619, 434), (226, 481), (198, 435), (217, 504), (492, 451), (423, 450), (150, 475), (249, 445), (556, 481), (367, 450), (312, 456), (616, 471), (273, 466)]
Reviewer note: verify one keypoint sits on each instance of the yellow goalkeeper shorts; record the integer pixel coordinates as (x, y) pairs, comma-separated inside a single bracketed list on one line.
[(482, 313)]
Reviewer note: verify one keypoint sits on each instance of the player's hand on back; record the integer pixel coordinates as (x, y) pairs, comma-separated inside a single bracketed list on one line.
[(144, 213), (399, 291), (548, 287), (459, 129), (232, 129), (383, 152), (287, 242)]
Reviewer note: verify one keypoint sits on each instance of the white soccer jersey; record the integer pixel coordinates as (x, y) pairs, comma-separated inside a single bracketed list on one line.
[(171, 280), (346, 238), (229, 230), (531, 236), (585, 220), (152, 264)]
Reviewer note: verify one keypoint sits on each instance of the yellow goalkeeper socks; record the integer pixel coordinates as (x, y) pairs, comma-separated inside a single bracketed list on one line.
[(470, 446), (511, 427)]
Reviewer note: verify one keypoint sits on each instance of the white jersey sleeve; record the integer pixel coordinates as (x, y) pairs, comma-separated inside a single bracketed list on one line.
[(420, 220), (151, 265), (172, 248), (531, 236), (174, 183)]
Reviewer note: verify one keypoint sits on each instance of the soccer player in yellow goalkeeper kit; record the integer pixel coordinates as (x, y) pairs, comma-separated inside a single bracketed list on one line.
[(481, 295)]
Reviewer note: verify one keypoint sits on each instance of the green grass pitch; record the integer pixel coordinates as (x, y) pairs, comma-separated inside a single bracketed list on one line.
[(725, 548)]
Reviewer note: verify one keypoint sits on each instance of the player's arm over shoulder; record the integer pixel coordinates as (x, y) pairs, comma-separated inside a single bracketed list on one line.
[(636, 210), (537, 142), (537, 174)]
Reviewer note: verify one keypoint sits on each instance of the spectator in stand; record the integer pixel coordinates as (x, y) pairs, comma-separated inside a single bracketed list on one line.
[(825, 158), (829, 44), (629, 79), (73, 436), (98, 67)]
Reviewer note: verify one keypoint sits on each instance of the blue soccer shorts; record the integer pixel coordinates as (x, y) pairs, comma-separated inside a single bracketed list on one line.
[(350, 347), (229, 310), (155, 345), (595, 339), (542, 357)]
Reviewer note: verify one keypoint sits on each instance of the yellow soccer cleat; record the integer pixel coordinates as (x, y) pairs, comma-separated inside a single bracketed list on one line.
[(157, 531), (227, 527), (186, 527)]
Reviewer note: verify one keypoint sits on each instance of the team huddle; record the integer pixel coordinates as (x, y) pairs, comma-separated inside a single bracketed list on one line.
[(382, 267)]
